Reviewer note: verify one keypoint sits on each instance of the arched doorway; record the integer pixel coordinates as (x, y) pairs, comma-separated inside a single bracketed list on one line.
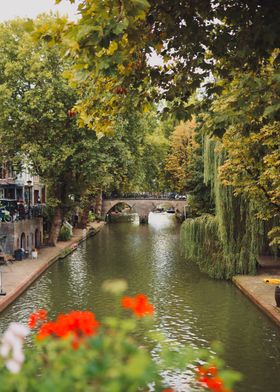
[(23, 241), (37, 238)]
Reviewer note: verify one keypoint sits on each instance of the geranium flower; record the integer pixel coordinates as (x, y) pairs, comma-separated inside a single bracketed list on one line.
[(139, 305), (80, 324), (208, 377), (40, 315)]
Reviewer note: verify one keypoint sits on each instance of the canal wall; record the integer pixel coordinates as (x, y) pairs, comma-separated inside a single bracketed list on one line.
[(19, 275)]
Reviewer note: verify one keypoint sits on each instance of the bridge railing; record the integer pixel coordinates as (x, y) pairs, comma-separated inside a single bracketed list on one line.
[(144, 196)]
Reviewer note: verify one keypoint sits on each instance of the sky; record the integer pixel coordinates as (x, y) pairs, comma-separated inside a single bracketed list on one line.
[(30, 8)]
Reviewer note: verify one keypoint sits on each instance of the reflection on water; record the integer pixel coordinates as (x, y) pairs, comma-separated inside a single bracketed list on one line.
[(190, 307), (162, 220)]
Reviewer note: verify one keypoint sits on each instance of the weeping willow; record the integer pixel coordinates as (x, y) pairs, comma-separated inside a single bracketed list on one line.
[(227, 243)]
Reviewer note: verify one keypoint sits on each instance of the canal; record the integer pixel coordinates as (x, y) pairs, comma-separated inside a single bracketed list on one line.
[(190, 307)]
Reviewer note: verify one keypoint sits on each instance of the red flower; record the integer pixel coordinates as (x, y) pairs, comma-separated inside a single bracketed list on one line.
[(138, 304), (127, 302), (46, 330), (40, 315), (80, 324), (208, 377), (215, 384)]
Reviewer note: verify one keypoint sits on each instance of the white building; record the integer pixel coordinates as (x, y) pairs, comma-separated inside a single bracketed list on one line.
[(21, 186), (22, 195)]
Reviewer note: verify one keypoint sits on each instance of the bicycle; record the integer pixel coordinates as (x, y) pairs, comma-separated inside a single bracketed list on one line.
[(5, 215)]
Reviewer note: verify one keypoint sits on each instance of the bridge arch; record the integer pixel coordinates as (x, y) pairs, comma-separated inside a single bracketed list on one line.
[(118, 203), (142, 206)]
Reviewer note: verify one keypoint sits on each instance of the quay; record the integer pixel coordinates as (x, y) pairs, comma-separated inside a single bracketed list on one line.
[(19, 275), (260, 293)]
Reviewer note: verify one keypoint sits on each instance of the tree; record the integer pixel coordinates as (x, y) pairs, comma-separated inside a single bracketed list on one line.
[(228, 49), (112, 40), (246, 116), (38, 124), (182, 146), (155, 149), (34, 105)]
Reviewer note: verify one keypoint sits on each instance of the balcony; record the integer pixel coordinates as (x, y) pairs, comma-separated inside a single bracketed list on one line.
[(8, 181), (21, 212)]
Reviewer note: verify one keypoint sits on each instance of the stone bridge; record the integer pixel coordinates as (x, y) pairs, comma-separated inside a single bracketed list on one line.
[(144, 206)]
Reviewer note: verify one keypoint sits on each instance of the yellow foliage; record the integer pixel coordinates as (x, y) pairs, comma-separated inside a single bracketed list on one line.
[(112, 48), (183, 143)]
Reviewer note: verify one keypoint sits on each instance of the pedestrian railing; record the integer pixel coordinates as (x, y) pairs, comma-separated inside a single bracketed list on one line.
[(11, 215), (146, 196)]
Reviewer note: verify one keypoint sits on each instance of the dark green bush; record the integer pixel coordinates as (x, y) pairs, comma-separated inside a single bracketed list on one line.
[(64, 234)]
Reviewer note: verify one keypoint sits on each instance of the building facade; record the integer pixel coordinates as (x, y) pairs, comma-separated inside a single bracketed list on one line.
[(24, 234), (21, 186), (22, 197)]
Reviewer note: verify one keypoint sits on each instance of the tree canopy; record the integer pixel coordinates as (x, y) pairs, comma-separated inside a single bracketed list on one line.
[(38, 125), (182, 150), (219, 61), (197, 40)]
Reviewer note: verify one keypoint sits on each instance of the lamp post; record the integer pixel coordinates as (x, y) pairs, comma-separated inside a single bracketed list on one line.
[(185, 214), (29, 186)]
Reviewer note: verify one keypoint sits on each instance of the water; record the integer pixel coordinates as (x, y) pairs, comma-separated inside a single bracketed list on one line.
[(191, 308)]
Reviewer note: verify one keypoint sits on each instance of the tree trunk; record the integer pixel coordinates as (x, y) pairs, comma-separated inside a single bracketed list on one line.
[(88, 202), (56, 225), (85, 216)]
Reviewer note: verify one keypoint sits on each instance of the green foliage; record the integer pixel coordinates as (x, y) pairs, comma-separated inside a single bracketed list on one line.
[(65, 252), (65, 233), (36, 127), (241, 167), (112, 41), (201, 243), (230, 241), (105, 58), (246, 118), (248, 113), (154, 152), (91, 217)]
